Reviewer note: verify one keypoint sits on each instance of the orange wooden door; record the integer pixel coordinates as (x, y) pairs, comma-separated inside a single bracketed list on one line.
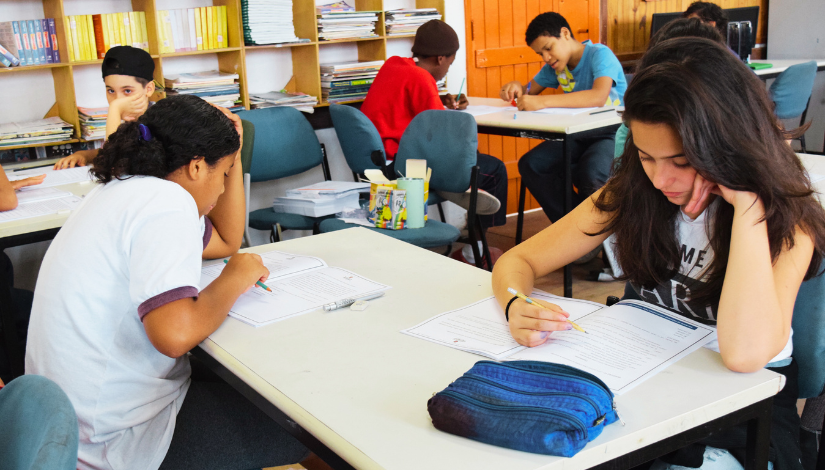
[(497, 54)]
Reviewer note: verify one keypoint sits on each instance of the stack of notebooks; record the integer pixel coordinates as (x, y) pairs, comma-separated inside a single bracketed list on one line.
[(28, 42), (347, 25), (218, 88), (193, 29), (93, 122), (268, 22), (332, 6), (36, 132), (299, 101), (348, 81), (90, 36), (404, 22)]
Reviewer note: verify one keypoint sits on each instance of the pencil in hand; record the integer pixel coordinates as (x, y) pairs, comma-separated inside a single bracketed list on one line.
[(257, 283), (533, 302)]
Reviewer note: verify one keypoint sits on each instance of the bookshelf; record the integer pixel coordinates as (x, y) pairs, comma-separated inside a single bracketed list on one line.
[(305, 56)]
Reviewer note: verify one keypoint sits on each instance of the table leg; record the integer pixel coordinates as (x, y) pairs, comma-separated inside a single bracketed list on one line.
[(759, 438), (522, 195), (568, 206), (10, 342)]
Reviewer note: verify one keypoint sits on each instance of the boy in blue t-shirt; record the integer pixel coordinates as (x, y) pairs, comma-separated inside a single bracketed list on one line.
[(590, 75)]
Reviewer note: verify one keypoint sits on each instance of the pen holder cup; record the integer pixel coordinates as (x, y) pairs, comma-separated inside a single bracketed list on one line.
[(414, 188)]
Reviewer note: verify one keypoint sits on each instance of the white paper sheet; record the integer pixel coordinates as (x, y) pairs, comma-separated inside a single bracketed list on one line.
[(481, 328), (38, 208), (40, 194), (53, 177), (624, 344), (481, 110), (566, 111), (300, 284)]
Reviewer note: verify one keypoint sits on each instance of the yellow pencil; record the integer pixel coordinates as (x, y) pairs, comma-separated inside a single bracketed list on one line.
[(533, 302)]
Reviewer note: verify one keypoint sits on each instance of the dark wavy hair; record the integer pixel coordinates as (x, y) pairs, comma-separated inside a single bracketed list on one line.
[(546, 24), (182, 127), (707, 11), (730, 136)]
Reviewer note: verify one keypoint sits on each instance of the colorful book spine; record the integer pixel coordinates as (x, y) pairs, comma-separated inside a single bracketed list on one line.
[(104, 33), (67, 27), (24, 33), (184, 19), (204, 29), (167, 24), (80, 23), (90, 37), (55, 46), (114, 37), (126, 28), (193, 32), (198, 33), (224, 24), (18, 39), (7, 58), (133, 30), (30, 32), (119, 29), (47, 43), (144, 36), (176, 39), (210, 27), (100, 42), (9, 41)]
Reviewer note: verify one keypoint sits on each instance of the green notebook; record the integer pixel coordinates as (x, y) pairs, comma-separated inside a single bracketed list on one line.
[(760, 66)]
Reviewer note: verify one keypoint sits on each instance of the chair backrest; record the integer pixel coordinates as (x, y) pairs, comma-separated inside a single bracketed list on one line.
[(448, 140), (358, 137), (248, 144), (809, 336), (39, 425), (284, 143), (792, 89)]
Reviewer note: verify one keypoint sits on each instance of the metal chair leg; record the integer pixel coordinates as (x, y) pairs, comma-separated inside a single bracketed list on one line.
[(484, 246), (522, 195)]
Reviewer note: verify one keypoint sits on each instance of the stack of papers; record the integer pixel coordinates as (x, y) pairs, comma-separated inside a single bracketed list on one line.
[(40, 207), (348, 81), (404, 22), (93, 122), (268, 22), (333, 6), (299, 284), (77, 174), (38, 131), (347, 25), (218, 88), (299, 101), (317, 200)]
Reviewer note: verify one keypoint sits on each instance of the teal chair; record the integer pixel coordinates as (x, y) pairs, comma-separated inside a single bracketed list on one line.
[(791, 92), (448, 141), (283, 144), (246, 162), (38, 429), (360, 141)]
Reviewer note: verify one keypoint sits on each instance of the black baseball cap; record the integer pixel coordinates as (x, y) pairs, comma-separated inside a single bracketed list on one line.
[(127, 60)]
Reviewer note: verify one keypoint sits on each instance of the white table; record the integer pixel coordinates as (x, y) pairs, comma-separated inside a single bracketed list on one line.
[(781, 65), (545, 127), (351, 384)]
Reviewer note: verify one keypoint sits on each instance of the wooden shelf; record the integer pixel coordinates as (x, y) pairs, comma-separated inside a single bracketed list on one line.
[(29, 68), (46, 144), (305, 55), (401, 36)]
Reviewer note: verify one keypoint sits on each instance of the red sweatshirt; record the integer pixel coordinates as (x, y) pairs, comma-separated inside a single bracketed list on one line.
[(400, 91)]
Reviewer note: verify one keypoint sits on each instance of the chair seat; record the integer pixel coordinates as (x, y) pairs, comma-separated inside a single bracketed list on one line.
[(433, 234), (264, 219)]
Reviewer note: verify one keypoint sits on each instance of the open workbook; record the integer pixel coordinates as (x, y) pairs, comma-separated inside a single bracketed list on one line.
[(299, 284), (625, 344)]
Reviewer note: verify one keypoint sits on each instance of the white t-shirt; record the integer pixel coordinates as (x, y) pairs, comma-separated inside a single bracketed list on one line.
[(132, 246), (696, 256)]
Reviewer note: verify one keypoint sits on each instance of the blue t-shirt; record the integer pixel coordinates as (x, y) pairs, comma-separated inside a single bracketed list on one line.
[(597, 61)]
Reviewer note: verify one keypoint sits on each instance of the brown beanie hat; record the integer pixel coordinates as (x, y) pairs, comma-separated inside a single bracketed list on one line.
[(435, 38)]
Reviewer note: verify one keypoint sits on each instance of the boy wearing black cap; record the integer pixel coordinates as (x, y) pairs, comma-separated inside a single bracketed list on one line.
[(128, 74), (405, 87)]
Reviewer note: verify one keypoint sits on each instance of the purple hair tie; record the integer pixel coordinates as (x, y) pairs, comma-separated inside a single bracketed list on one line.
[(144, 132)]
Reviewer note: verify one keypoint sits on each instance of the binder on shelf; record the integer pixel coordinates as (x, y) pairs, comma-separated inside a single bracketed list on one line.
[(210, 28), (100, 40), (8, 39), (27, 46), (18, 40), (82, 38), (53, 35), (144, 35), (42, 27)]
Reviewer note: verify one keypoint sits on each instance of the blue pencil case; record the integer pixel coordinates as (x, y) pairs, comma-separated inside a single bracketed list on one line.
[(531, 406)]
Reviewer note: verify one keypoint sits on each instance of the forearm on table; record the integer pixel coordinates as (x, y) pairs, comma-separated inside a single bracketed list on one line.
[(577, 99)]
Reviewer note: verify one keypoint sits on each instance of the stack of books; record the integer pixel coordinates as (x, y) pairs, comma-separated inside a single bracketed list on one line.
[(268, 22), (28, 42), (192, 29), (218, 88), (405, 22), (332, 6), (36, 132), (90, 36), (347, 25), (299, 101), (348, 81), (93, 122)]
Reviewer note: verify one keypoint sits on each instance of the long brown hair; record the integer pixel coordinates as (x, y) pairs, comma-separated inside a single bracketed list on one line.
[(730, 136)]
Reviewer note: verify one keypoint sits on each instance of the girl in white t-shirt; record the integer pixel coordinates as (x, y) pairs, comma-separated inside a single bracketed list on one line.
[(117, 304), (713, 214)]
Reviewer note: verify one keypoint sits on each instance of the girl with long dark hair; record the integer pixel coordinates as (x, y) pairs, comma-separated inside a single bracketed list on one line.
[(713, 214)]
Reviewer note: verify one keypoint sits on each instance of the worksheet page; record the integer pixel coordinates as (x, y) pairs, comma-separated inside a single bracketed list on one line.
[(53, 177), (37, 208)]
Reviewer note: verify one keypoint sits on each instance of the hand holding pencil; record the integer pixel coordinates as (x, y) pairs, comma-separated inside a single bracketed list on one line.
[(542, 324)]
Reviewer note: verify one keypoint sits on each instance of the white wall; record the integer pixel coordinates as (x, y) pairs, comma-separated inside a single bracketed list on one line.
[(30, 95)]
